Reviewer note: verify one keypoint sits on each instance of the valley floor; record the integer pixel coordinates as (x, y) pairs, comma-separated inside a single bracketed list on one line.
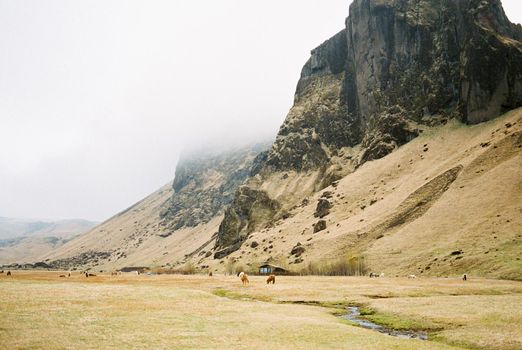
[(43, 311)]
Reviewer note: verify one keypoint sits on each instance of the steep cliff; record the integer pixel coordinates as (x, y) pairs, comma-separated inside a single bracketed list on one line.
[(205, 184), (401, 63), (398, 67)]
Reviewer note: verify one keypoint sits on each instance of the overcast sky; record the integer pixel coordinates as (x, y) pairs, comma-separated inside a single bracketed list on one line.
[(97, 98)]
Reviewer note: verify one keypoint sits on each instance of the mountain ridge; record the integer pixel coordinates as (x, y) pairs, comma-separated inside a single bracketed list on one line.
[(408, 112)]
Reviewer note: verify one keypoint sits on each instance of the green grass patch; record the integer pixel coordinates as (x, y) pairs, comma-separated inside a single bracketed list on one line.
[(224, 293)]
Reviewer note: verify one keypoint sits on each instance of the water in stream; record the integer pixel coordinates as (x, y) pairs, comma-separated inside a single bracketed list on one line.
[(354, 315)]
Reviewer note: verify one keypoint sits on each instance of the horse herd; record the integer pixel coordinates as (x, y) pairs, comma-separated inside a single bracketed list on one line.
[(244, 278)]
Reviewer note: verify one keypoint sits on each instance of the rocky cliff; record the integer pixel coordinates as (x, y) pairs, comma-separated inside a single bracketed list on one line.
[(205, 184), (383, 159), (396, 68), (170, 224)]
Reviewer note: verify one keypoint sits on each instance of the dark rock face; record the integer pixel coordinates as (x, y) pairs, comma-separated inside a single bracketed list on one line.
[(249, 208), (396, 64), (320, 119), (85, 258), (204, 185), (391, 131), (435, 57)]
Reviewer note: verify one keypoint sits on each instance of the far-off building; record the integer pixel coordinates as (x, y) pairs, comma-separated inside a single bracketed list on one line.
[(267, 269)]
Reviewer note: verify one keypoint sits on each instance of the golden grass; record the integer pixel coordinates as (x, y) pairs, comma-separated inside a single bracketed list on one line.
[(43, 311)]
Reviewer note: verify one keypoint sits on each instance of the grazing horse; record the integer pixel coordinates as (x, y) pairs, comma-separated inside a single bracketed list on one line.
[(8, 273), (270, 279), (244, 278)]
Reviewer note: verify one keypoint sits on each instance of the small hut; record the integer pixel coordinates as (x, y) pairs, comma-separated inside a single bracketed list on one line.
[(267, 269)]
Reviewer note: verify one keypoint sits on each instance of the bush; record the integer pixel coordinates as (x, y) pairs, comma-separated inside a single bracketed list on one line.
[(187, 269), (343, 266)]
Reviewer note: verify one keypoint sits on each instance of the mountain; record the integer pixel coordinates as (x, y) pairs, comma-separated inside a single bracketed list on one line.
[(25, 240), (397, 68), (402, 150), (172, 222)]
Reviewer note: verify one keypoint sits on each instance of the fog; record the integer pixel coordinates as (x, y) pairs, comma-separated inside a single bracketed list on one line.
[(98, 98)]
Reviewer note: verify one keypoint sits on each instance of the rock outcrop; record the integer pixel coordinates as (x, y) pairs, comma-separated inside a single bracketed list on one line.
[(398, 64), (205, 184), (249, 209), (397, 67)]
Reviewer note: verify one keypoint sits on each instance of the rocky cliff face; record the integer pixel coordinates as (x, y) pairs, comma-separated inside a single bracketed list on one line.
[(205, 184), (397, 64), (397, 67)]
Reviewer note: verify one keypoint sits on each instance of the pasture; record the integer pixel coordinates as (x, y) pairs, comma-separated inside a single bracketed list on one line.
[(41, 310)]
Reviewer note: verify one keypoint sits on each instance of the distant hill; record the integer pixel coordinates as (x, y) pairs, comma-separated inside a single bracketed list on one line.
[(25, 240)]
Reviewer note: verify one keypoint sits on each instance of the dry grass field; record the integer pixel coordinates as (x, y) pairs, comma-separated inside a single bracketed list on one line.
[(40, 310)]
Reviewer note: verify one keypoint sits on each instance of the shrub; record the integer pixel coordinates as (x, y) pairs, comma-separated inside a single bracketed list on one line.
[(188, 269), (343, 266)]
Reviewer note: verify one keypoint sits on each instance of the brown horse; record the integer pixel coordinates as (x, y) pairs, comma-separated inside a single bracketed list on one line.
[(244, 278), (270, 279)]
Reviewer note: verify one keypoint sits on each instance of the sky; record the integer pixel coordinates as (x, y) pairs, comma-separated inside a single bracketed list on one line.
[(98, 98)]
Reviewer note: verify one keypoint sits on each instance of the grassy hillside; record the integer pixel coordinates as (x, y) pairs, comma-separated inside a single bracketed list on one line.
[(444, 204)]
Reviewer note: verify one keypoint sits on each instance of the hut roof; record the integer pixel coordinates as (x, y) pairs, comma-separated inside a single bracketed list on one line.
[(271, 265)]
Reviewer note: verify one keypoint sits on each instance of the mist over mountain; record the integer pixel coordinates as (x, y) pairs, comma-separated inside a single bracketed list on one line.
[(402, 151), (94, 117)]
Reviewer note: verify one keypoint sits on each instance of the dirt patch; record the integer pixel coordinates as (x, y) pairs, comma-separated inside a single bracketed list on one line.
[(415, 205), (496, 154)]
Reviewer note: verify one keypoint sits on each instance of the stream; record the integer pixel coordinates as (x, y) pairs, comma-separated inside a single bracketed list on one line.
[(354, 315)]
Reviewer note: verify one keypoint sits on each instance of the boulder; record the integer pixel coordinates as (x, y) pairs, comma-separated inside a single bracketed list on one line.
[(297, 250), (323, 208), (319, 226)]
